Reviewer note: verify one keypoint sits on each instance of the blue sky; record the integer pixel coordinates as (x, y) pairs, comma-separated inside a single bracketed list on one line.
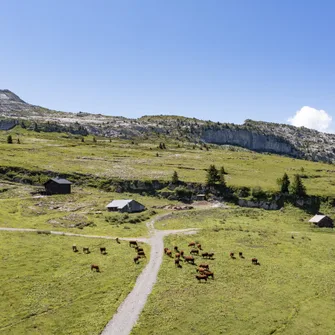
[(220, 60)]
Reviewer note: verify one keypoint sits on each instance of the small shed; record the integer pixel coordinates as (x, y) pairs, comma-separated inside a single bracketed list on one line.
[(125, 206), (57, 186), (322, 221), (201, 197)]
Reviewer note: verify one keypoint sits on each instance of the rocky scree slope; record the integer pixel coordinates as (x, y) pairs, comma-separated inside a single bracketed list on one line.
[(258, 136)]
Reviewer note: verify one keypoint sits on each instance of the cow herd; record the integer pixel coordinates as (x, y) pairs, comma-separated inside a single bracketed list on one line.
[(86, 250), (140, 252), (203, 271)]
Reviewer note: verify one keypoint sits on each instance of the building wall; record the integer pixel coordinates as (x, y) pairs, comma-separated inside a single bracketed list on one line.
[(54, 188), (326, 222)]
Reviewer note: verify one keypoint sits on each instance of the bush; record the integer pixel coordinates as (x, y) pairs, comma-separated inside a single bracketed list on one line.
[(258, 193), (183, 193)]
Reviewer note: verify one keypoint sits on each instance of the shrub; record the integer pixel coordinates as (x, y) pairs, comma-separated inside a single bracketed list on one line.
[(258, 193)]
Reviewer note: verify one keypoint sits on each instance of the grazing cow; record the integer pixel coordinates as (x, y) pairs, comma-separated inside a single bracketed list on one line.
[(210, 254), (232, 255), (165, 250), (138, 249), (136, 259), (254, 261), (169, 253), (240, 254), (95, 267), (209, 274), (132, 243), (194, 251), (117, 240), (86, 250), (204, 254), (141, 254), (205, 266), (74, 248), (176, 249), (201, 277), (182, 253), (192, 244), (177, 255), (176, 262), (200, 269), (103, 250), (189, 259), (199, 246)]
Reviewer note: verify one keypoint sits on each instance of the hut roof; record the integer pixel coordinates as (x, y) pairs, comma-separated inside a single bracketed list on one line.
[(59, 181), (119, 203), (317, 218)]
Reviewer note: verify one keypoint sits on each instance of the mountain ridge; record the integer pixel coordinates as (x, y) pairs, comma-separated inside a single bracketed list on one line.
[(260, 136)]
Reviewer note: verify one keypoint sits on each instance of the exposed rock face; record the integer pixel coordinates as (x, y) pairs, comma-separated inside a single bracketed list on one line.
[(250, 140), (258, 136), (7, 124)]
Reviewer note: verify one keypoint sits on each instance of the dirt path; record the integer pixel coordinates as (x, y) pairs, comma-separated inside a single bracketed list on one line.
[(61, 233), (129, 311)]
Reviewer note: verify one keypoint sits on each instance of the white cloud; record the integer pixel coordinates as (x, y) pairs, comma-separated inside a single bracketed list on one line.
[(311, 118)]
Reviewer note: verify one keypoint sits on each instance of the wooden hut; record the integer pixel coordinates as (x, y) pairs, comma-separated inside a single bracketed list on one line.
[(125, 206), (322, 221), (57, 186)]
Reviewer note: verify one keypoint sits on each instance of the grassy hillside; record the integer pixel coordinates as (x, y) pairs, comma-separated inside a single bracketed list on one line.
[(131, 160), (46, 288), (286, 294)]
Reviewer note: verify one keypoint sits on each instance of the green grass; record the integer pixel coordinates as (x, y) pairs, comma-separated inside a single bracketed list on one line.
[(46, 288), (64, 153), (286, 294), (85, 207)]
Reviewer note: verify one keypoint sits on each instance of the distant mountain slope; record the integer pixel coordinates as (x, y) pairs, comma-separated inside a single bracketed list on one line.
[(258, 136)]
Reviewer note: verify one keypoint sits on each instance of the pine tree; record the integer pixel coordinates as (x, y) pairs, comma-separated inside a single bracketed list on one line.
[(221, 177), (297, 187), (212, 175), (284, 183), (9, 139), (175, 178)]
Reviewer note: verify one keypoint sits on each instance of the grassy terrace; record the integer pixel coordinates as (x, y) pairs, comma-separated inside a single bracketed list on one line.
[(121, 159), (284, 295), (82, 212), (46, 288)]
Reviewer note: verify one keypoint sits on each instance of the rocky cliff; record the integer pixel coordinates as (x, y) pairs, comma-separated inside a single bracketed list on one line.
[(258, 136)]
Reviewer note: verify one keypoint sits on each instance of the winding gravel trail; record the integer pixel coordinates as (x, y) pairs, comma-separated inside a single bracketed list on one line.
[(129, 311)]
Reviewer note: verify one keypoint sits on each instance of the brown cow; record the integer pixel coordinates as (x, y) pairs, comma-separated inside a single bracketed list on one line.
[(182, 253), (132, 243), (103, 250), (232, 255), (169, 253), (165, 250), (136, 259), (240, 254), (95, 267), (117, 240), (138, 249), (210, 254), (204, 254), (189, 259), (86, 250), (176, 262), (201, 277), (199, 246), (254, 261), (176, 249), (141, 254), (209, 274), (177, 255), (74, 248), (194, 251), (205, 266), (192, 244), (199, 269)]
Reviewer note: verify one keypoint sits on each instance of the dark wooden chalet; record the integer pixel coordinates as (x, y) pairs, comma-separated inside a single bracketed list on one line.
[(322, 221), (57, 186)]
